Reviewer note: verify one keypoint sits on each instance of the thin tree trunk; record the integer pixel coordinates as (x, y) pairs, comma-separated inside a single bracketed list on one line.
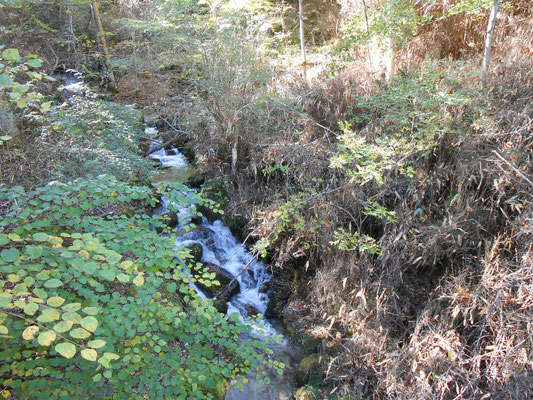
[(283, 24), (365, 9), (235, 147), (302, 39), (490, 35), (101, 35)]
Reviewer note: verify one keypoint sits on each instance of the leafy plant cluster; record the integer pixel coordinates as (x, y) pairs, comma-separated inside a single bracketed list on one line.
[(90, 135), (94, 303), (391, 23), (415, 114), (290, 217), (18, 77), (390, 129)]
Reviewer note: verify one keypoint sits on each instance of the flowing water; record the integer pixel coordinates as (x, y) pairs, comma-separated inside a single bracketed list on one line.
[(222, 249)]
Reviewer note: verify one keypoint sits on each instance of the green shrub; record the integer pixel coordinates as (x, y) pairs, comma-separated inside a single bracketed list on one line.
[(94, 303)]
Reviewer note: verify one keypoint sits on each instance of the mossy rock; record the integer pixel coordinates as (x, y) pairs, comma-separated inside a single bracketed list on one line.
[(169, 218), (308, 368), (304, 393), (127, 212)]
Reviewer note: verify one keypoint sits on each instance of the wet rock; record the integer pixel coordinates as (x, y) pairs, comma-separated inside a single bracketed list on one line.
[(228, 287), (308, 368), (197, 228), (144, 146), (197, 220), (196, 180), (251, 311), (169, 218), (265, 287), (126, 211), (208, 213), (273, 309), (196, 251), (221, 305)]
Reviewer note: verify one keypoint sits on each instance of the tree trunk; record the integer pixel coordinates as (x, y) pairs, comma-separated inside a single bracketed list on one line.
[(102, 40), (283, 24), (490, 35), (302, 39)]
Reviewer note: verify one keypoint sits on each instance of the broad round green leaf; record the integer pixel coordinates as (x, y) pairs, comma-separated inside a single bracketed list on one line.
[(53, 283), (107, 274), (12, 55), (72, 307), (48, 315), (10, 255), (73, 317), (31, 308), (123, 278), (91, 310), (80, 333)]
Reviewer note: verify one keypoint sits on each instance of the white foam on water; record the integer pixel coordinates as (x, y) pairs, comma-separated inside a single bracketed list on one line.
[(176, 160)]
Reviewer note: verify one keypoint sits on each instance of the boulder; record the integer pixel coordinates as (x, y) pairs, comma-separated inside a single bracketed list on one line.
[(251, 311), (228, 287), (221, 306), (197, 228), (265, 287), (308, 368), (169, 218), (196, 250)]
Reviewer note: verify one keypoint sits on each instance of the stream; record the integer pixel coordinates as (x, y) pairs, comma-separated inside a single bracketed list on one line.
[(222, 249)]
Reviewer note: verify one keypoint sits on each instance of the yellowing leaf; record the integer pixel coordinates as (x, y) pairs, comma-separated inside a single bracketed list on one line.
[(30, 332), (79, 333), (63, 326), (85, 254), (67, 350), (46, 338), (96, 344), (138, 280), (90, 323), (55, 301), (89, 354)]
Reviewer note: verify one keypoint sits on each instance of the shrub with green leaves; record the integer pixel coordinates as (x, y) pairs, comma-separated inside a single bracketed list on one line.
[(94, 136), (19, 76), (94, 303)]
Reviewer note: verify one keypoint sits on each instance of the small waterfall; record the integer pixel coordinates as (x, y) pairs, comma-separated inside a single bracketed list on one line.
[(222, 249)]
